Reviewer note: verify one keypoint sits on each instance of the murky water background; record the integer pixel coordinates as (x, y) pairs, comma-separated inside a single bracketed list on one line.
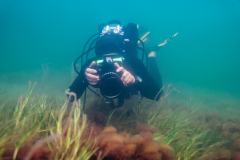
[(201, 62)]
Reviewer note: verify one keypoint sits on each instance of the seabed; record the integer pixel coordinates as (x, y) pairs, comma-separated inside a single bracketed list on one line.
[(40, 123)]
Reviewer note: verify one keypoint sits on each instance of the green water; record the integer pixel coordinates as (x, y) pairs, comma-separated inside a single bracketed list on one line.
[(39, 41), (202, 59)]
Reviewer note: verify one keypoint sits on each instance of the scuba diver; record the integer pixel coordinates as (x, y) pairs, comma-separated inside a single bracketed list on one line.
[(116, 69)]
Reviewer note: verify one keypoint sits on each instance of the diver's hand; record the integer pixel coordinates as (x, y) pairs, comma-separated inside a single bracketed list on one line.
[(89, 72), (127, 77)]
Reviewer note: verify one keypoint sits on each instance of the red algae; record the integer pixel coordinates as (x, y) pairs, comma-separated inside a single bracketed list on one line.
[(236, 144), (43, 153), (118, 146), (224, 154), (235, 156), (114, 145), (167, 152), (151, 151)]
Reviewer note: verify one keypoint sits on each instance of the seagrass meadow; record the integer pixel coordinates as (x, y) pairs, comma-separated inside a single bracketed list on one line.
[(36, 126), (196, 44)]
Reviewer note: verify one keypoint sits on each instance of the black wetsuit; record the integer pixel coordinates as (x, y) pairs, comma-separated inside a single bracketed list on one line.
[(148, 87), (153, 67)]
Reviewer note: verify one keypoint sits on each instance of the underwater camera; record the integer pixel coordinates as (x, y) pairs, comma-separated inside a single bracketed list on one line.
[(110, 83)]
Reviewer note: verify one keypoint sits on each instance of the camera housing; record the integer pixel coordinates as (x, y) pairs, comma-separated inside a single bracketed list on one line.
[(110, 83)]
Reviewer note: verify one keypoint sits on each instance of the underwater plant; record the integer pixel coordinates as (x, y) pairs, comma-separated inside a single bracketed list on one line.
[(34, 128), (180, 128), (124, 146)]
